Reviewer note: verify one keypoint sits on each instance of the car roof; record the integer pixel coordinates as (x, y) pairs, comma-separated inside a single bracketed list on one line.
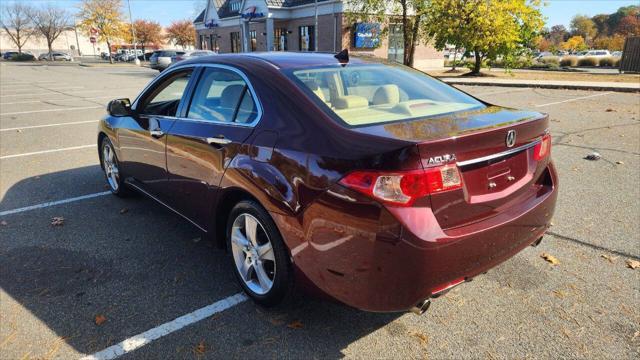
[(284, 59)]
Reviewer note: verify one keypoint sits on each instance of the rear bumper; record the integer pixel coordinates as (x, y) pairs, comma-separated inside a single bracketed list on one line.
[(379, 259)]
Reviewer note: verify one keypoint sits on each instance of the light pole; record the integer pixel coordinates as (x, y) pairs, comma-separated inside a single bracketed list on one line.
[(133, 33), (315, 28)]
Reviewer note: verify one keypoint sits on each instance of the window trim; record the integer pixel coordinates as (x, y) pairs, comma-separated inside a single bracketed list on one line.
[(191, 90)]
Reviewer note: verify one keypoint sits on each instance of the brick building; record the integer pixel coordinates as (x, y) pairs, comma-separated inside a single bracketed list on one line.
[(290, 25)]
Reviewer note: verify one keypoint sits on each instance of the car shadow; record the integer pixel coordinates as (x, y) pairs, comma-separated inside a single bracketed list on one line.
[(137, 265)]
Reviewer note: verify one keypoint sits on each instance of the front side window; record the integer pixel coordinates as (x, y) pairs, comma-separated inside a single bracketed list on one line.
[(222, 96), (375, 93), (235, 42), (306, 35), (164, 99)]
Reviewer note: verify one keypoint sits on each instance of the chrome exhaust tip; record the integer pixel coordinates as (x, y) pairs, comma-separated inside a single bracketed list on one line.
[(421, 307)]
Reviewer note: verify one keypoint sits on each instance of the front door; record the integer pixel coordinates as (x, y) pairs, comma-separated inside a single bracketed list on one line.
[(208, 135), (142, 139)]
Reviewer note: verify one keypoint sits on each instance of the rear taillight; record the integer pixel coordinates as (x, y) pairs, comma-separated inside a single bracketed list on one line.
[(404, 188), (543, 148)]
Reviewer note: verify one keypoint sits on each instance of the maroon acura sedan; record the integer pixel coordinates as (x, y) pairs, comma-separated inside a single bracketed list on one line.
[(371, 182)]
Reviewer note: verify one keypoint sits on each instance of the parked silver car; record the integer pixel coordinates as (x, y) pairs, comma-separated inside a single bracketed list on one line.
[(55, 56), (191, 54), (161, 59)]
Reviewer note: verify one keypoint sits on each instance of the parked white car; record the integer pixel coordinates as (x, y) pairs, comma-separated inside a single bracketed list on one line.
[(597, 54), (190, 54), (616, 54)]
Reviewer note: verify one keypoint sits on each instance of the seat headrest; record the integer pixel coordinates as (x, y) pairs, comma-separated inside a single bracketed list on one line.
[(313, 86), (386, 95), (230, 96)]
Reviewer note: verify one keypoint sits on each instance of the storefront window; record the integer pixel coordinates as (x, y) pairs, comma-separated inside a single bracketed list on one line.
[(253, 41), (280, 39), (235, 42), (306, 35), (213, 42)]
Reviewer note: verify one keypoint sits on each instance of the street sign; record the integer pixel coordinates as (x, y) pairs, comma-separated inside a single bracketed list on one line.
[(94, 31), (92, 39)]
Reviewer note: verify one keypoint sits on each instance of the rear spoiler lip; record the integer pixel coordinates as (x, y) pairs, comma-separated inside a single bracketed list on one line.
[(540, 116)]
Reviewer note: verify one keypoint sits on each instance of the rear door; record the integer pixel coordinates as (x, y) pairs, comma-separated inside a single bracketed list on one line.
[(210, 131)]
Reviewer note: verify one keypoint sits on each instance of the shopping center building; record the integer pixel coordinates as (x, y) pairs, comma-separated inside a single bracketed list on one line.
[(292, 25)]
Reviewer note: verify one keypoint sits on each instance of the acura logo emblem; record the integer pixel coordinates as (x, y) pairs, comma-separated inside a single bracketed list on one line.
[(511, 138)]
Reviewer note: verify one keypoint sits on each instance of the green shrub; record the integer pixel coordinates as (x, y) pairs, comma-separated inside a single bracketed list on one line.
[(569, 61), (549, 60), (608, 61), (588, 61), (22, 57)]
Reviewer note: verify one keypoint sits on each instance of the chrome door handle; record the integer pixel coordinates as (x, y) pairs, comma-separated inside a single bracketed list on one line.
[(218, 140), (156, 133)]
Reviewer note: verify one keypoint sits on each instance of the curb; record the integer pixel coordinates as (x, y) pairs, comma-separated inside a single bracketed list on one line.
[(545, 86)]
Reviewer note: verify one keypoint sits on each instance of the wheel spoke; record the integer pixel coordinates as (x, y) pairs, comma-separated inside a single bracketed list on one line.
[(239, 239), (263, 279), (244, 269), (250, 229), (265, 252)]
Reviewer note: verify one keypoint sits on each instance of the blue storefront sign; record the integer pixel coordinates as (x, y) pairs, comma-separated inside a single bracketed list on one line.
[(367, 35)]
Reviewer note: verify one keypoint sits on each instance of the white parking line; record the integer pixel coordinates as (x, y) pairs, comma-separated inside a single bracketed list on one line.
[(140, 340), (49, 125), (51, 110), (53, 203), (574, 99), (14, 95), (45, 88), (50, 100), (46, 151), (501, 92)]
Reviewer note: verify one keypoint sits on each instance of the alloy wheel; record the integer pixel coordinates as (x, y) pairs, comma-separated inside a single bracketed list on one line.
[(253, 254), (111, 166)]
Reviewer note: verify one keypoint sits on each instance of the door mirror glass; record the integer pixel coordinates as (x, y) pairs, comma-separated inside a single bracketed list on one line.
[(119, 107)]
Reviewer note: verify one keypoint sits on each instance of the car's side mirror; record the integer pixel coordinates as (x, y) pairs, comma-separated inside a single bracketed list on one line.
[(120, 107)]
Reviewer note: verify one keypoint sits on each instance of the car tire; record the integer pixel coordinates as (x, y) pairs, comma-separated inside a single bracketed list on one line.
[(111, 169), (256, 257)]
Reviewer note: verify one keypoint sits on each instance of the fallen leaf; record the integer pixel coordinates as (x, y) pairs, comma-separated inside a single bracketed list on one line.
[(57, 221), (609, 257), (635, 335), (559, 293), (296, 324), (594, 156), (19, 130), (124, 211), (550, 259), (100, 319), (422, 337), (201, 348), (633, 264), (3, 223), (620, 162), (610, 110)]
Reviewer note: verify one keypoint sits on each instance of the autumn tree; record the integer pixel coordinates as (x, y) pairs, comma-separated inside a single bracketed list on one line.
[(182, 33), (574, 43), (106, 17), (558, 34), (629, 26), (16, 22), (487, 29), (410, 13), (582, 25), (147, 32), (50, 22), (613, 43)]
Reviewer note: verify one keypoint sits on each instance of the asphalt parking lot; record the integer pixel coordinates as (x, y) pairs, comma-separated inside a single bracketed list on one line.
[(117, 268)]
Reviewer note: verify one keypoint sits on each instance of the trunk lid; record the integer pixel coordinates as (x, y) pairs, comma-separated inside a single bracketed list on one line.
[(494, 175)]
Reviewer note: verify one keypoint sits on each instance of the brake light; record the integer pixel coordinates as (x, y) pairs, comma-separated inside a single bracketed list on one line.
[(543, 148), (404, 188)]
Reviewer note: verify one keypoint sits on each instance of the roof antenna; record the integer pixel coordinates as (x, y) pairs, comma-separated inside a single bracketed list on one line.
[(343, 57)]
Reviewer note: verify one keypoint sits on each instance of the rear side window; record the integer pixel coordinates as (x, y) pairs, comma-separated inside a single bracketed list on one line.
[(375, 93), (222, 96)]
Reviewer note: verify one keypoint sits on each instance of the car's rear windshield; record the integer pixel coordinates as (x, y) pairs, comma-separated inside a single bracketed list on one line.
[(375, 93)]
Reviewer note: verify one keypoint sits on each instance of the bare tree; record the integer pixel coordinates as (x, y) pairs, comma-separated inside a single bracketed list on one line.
[(49, 22), (17, 23)]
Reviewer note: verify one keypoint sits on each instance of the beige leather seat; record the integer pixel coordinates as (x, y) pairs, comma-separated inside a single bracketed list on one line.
[(338, 99), (313, 86), (386, 95)]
